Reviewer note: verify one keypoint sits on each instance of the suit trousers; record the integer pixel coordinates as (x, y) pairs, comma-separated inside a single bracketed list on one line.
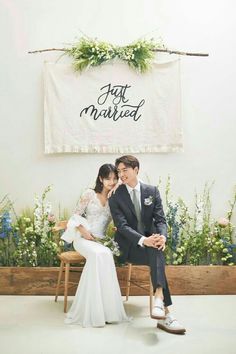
[(155, 259)]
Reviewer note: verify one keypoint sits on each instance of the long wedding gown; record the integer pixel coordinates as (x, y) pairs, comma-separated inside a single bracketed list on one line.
[(98, 298)]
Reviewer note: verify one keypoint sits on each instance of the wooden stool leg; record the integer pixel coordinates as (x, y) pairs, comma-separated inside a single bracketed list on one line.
[(128, 281), (67, 270), (151, 294), (59, 280)]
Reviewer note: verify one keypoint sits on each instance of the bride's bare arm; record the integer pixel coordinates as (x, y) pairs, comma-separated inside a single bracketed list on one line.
[(85, 233), (113, 190)]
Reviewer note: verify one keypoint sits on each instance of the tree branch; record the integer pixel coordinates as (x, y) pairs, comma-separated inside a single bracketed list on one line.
[(48, 50), (155, 50), (181, 53)]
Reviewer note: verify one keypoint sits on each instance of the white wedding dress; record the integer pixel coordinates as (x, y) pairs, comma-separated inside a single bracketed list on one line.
[(98, 297)]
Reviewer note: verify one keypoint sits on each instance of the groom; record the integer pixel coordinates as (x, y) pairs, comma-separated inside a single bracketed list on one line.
[(141, 233)]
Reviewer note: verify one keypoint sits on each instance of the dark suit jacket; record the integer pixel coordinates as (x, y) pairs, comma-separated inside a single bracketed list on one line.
[(125, 220)]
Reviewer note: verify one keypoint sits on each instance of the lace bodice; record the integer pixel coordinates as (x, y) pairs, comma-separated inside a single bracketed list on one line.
[(97, 216)]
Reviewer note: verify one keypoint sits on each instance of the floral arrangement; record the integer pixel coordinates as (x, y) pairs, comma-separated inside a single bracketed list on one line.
[(193, 237), (109, 241), (198, 239), (29, 240), (91, 52)]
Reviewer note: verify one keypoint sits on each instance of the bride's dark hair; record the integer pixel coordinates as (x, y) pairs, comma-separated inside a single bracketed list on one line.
[(104, 172)]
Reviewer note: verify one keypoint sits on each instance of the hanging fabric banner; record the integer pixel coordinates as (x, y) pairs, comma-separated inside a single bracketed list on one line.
[(112, 109)]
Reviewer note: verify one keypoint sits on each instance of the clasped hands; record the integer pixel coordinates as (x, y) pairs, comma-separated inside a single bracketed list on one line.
[(156, 241)]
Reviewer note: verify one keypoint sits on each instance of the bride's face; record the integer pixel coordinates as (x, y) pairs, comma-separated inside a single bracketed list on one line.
[(110, 181)]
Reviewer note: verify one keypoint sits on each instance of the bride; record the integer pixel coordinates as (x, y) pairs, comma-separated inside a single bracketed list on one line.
[(98, 298)]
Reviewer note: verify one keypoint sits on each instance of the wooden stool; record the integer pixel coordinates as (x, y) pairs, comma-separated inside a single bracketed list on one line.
[(149, 285), (66, 259)]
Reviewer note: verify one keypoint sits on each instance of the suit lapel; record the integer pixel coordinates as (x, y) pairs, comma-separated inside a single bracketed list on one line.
[(144, 195)]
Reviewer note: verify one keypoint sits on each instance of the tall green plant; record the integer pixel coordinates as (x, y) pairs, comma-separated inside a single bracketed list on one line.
[(37, 246), (198, 239)]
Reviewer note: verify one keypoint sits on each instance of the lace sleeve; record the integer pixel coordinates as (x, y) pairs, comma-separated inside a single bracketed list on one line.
[(78, 218), (83, 202)]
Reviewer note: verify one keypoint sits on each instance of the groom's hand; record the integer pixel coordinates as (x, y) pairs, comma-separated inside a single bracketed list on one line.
[(151, 241), (161, 242)]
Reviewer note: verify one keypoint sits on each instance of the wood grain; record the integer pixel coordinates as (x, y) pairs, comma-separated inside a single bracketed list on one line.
[(183, 280)]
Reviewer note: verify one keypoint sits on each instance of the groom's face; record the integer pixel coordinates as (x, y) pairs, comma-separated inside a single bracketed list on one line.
[(127, 174)]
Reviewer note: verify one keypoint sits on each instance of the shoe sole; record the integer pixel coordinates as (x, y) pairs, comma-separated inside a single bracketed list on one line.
[(158, 317), (173, 331)]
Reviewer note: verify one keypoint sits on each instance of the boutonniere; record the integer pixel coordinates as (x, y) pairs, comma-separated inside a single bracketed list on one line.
[(148, 201)]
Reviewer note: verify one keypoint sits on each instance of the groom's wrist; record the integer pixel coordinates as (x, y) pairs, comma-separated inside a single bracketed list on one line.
[(141, 240)]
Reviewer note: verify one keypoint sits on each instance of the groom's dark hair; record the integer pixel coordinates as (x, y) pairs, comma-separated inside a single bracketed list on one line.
[(128, 161)]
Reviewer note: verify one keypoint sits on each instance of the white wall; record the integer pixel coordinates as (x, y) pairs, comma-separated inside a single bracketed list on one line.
[(208, 93)]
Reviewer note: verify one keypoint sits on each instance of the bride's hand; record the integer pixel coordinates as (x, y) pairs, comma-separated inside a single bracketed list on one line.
[(113, 190), (88, 236)]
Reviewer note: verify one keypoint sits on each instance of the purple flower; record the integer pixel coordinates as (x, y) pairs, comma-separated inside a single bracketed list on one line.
[(3, 235), (5, 225)]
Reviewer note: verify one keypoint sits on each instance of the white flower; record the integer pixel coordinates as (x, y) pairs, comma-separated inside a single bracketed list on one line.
[(148, 201), (199, 215)]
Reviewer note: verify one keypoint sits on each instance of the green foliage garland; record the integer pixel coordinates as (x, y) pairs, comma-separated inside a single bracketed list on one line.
[(91, 52)]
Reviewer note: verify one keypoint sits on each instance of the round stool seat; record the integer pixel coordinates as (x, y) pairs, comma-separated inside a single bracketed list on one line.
[(71, 257)]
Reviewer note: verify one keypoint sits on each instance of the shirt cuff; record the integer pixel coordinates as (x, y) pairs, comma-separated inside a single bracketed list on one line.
[(140, 242)]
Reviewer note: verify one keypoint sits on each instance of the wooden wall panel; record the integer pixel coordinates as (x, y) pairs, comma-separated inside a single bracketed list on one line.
[(183, 280)]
